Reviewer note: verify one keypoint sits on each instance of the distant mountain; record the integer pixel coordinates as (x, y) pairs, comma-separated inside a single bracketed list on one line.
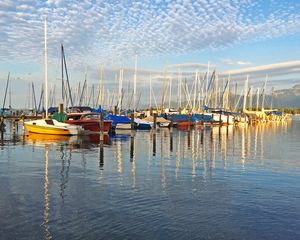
[(287, 98), (283, 98)]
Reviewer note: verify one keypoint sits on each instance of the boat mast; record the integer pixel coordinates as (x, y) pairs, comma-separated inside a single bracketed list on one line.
[(150, 105), (264, 94), (46, 66), (272, 96), (206, 87), (134, 84), (62, 75), (245, 94), (257, 99), (170, 92), (5, 92)]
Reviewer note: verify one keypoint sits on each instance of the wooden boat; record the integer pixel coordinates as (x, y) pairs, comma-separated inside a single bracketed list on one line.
[(90, 122), (51, 126)]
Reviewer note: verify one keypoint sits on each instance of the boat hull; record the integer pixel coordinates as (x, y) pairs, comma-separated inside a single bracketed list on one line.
[(123, 126), (91, 126), (52, 127)]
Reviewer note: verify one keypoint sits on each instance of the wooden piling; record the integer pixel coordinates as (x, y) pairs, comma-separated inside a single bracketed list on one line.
[(131, 146), (23, 121), (171, 126), (154, 120), (189, 122), (101, 128), (153, 143), (132, 121), (101, 155), (61, 108), (171, 141)]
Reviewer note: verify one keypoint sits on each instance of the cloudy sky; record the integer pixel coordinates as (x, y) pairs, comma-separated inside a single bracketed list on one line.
[(231, 35)]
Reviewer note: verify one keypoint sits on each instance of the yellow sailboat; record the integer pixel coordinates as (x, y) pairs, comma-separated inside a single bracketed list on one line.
[(50, 126)]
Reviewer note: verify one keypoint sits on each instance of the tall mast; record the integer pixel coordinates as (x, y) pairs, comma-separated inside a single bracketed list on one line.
[(195, 90), (163, 90), (170, 92), (9, 96), (245, 93), (257, 99), (250, 98), (7, 82), (150, 91), (264, 94), (46, 66), (134, 84), (101, 84), (206, 89), (272, 96), (62, 75)]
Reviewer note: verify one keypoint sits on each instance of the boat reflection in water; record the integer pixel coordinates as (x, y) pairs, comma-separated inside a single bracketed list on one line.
[(41, 139), (121, 185), (84, 141)]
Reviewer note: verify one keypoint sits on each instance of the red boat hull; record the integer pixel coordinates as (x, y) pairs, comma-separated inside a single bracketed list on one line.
[(90, 122), (91, 125)]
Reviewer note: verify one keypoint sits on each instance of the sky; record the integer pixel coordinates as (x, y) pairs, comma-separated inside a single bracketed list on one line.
[(166, 37)]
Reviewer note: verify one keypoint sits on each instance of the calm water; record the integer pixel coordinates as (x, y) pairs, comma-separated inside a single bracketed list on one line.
[(219, 183)]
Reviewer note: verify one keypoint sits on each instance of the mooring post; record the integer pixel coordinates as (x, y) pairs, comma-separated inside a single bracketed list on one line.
[(132, 121), (61, 108), (171, 141), (131, 146), (189, 122), (101, 128), (154, 120), (101, 155), (23, 122), (14, 126), (154, 143)]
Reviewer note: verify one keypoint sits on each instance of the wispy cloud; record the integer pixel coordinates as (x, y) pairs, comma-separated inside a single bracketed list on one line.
[(109, 32), (285, 68), (236, 62)]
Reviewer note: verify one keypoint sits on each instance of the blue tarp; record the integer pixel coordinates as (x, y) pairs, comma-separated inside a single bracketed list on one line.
[(194, 118), (98, 110), (52, 110), (117, 119), (179, 118)]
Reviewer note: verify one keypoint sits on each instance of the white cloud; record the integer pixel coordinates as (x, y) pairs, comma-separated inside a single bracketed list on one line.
[(111, 33), (236, 62)]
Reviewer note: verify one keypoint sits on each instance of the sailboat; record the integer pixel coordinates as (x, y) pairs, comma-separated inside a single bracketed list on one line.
[(50, 126)]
